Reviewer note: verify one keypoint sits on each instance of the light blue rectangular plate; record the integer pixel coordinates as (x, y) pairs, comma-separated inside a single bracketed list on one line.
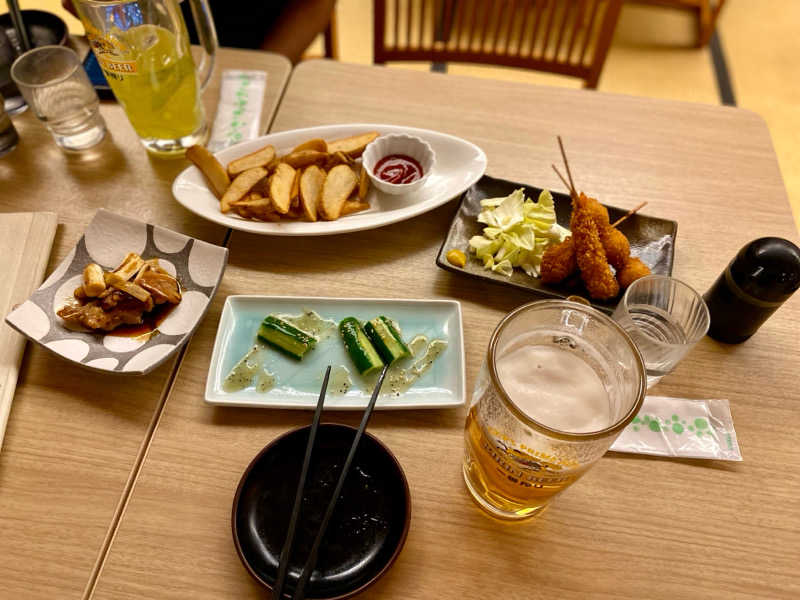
[(299, 382)]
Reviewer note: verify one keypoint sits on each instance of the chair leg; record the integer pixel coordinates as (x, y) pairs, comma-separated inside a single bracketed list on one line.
[(707, 21), (331, 38)]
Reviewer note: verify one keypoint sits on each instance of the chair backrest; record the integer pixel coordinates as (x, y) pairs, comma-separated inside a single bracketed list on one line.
[(570, 37)]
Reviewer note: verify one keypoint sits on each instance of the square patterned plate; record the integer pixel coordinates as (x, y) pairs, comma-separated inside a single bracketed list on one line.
[(198, 266), (652, 240), (299, 382)]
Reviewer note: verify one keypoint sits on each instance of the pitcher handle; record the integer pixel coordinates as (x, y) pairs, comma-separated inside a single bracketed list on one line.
[(207, 34)]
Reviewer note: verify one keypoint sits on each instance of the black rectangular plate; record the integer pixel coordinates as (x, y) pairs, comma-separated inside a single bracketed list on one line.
[(652, 240)]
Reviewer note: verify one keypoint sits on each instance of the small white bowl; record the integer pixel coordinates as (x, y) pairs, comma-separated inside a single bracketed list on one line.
[(399, 143)]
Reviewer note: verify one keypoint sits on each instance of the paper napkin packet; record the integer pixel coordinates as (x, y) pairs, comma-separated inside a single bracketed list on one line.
[(241, 100), (678, 427)]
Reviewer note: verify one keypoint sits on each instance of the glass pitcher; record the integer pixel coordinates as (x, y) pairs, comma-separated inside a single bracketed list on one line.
[(143, 48)]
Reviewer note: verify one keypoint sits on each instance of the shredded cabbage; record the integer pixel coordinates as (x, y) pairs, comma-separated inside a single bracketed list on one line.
[(517, 232)]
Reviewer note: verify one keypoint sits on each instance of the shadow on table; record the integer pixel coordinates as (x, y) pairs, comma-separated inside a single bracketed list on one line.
[(318, 254), (720, 465), (437, 418), (100, 162)]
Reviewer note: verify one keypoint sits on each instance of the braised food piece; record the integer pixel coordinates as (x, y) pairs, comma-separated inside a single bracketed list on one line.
[(93, 281), (162, 286), (118, 308), (132, 289)]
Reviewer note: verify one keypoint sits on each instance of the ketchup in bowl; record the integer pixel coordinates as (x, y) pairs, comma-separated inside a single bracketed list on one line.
[(398, 168)]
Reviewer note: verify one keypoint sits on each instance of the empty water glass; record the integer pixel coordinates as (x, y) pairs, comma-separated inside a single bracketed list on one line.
[(665, 318), (55, 85)]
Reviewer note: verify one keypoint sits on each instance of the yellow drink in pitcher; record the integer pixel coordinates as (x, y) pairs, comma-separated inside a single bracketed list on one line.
[(154, 79)]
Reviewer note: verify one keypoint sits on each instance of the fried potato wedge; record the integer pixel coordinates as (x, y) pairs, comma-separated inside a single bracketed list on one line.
[(255, 206), (317, 144), (295, 193), (353, 206), (311, 182), (363, 183), (211, 168), (354, 145), (259, 158), (280, 188), (338, 185), (241, 186), (303, 158), (337, 158)]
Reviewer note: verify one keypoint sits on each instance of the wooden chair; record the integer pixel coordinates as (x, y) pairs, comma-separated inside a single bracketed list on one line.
[(707, 12), (569, 37)]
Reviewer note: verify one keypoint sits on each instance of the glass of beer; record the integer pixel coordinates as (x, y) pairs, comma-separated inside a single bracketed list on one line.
[(560, 382), (143, 49)]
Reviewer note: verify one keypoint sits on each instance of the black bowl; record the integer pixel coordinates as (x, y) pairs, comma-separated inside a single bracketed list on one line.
[(365, 534), (44, 29)]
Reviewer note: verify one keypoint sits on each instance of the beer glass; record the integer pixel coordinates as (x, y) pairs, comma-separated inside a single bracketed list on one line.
[(560, 382), (143, 48)]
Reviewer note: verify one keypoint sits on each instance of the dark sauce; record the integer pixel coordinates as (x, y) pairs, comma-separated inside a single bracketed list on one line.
[(398, 168), (150, 322)]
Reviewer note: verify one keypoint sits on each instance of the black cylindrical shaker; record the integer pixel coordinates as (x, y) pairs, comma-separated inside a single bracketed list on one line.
[(756, 282)]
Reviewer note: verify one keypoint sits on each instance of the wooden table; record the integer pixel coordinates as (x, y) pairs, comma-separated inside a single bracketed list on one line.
[(75, 438), (634, 527)]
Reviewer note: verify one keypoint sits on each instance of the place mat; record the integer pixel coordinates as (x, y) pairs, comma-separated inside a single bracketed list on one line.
[(25, 243)]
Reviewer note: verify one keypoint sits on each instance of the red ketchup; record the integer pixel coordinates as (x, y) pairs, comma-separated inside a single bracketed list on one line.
[(398, 168)]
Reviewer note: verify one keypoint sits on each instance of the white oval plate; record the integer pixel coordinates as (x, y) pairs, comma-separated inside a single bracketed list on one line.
[(459, 164)]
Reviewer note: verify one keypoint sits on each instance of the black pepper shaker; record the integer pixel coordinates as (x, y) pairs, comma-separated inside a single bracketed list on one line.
[(757, 281)]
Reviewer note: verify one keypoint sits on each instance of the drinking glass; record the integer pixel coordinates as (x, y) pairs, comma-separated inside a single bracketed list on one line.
[(665, 318), (143, 49), (55, 85), (523, 447)]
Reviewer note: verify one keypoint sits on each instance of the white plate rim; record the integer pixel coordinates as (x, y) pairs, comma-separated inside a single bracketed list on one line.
[(330, 227), (224, 328)]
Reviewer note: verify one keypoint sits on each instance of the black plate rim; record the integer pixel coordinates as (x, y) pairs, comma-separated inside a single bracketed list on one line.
[(267, 448), (442, 263)]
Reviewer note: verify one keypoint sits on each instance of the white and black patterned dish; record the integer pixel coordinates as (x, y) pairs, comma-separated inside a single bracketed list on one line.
[(197, 265)]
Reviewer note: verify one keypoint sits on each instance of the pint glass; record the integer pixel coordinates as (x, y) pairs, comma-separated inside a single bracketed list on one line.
[(559, 383)]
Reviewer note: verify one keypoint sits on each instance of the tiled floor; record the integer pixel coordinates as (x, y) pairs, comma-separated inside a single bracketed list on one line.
[(653, 55)]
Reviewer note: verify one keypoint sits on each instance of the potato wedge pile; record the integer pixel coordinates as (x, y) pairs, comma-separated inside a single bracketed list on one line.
[(316, 180)]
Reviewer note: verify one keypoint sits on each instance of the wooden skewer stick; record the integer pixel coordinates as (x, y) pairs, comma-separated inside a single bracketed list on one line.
[(566, 165), (632, 211), (566, 185)]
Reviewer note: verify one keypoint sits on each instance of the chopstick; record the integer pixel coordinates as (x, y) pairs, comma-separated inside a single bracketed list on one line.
[(305, 575), (19, 25), (286, 551)]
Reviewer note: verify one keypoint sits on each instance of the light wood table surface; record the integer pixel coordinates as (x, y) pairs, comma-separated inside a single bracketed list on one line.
[(74, 437), (633, 527)]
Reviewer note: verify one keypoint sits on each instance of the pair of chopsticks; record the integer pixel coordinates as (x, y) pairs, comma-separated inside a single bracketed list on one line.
[(19, 25), (574, 193), (286, 551)]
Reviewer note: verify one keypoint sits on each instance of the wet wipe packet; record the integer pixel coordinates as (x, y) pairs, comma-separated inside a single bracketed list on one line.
[(679, 427)]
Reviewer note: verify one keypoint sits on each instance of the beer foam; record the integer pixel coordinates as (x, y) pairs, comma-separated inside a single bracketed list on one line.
[(553, 386)]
